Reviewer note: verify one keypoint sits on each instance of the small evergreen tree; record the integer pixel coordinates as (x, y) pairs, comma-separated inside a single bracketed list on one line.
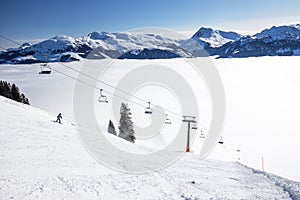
[(126, 130), (15, 93), (1, 88), (24, 99), (7, 89), (111, 128)]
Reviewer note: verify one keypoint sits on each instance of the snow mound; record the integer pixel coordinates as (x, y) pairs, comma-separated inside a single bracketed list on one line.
[(41, 159)]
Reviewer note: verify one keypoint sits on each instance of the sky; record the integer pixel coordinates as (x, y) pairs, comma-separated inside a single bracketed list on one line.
[(33, 20)]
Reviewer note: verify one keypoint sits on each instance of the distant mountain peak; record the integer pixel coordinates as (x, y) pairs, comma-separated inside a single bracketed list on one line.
[(296, 26), (280, 32), (214, 37), (203, 32), (98, 35)]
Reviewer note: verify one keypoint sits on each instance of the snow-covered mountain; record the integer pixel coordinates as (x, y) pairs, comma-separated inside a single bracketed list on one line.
[(280, 32), (103, 44), (282, 40), (132, 45), (276, 41), (59, 48), (215, 38), (41, 159)]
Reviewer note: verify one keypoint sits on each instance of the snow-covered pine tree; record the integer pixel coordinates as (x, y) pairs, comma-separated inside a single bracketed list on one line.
[(111, 128), (126, 130)]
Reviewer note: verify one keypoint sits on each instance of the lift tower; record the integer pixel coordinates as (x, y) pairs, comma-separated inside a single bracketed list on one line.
[(189, 120)]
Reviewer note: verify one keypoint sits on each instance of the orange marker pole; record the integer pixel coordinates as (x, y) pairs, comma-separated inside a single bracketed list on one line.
[(263, 164)]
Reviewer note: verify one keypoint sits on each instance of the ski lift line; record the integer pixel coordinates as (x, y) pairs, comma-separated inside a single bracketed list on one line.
[(145, 101), (109, 85), (3, 48), (6, 38), (174, 113), (95, 87), (103, 83)]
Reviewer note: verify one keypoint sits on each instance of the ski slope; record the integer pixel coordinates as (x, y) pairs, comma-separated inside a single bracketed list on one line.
[(261, 97), (41, 159)]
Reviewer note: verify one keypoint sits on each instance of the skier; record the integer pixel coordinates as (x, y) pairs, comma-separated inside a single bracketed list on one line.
[(59, 117)]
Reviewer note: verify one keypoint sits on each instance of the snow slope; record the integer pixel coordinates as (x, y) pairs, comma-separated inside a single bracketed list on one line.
[(41, 159), (261, 96)]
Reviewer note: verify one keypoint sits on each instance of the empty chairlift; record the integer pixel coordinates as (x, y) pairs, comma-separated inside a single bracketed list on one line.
[(102, 98), (45, 69), (194, 126), (221, 140), (148, 110), (202, 135), (167, 121)]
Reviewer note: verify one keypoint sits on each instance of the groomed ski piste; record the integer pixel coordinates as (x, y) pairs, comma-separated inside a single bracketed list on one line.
[(40, 159)]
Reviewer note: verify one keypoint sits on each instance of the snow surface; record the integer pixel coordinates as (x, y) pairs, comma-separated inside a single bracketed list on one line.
[(261, 115), (41, 159)]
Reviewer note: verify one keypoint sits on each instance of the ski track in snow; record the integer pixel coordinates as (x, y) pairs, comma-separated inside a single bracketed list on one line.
[(40, 159)]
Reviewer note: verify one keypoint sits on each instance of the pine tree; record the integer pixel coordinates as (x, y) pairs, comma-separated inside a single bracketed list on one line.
[(1, 89), (7, 89), (15, 93), (111, 128), (24, 99), (12, 92), (126, 130)]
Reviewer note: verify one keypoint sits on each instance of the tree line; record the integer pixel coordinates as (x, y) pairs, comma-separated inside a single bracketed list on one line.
[(12, 91), (126, 126)]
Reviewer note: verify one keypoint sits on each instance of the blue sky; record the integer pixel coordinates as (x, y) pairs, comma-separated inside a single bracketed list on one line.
[(37, 19)]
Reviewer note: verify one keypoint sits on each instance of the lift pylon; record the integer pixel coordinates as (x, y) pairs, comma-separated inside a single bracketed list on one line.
[(189, 120)]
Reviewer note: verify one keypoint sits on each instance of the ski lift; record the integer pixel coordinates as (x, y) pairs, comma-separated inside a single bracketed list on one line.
[(148, 110), (167, 121), (194, 126), (102, 98), (221, 140), (202, 135), (45, 69)]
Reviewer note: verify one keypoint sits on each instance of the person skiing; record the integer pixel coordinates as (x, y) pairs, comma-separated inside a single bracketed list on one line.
[(59, 117)]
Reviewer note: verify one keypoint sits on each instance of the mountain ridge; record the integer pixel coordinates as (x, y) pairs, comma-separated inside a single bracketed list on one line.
[(275, 41)]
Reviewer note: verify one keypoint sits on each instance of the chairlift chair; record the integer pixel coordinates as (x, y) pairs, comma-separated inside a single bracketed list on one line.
[(167, 121), (202, 135), (194, 127), (148, 110), (102, 98), (45, 69), (221, 141)]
